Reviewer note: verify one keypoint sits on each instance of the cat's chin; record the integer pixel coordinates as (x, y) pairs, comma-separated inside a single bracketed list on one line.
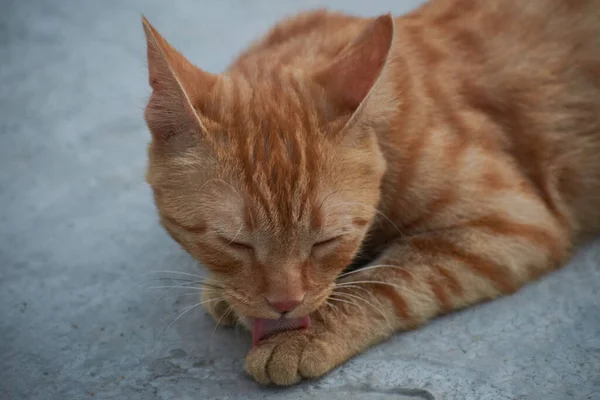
[(263, 328)]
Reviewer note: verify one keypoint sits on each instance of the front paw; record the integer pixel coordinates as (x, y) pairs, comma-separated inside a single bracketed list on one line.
[(288, 357), (217, 308)]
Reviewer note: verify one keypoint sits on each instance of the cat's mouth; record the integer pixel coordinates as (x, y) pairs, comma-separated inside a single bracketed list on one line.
[(264, 328)]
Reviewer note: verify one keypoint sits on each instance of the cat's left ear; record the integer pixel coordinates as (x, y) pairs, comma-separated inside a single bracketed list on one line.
[(350, 78), (178, 87)]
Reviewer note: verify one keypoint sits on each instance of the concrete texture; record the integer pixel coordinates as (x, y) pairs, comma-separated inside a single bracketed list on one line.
[(78, 236)]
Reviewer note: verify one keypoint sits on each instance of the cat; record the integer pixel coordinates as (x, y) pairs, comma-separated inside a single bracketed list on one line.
[(347, 178)]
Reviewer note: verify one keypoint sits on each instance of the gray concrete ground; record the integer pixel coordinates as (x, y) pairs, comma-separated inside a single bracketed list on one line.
[(78, 235)]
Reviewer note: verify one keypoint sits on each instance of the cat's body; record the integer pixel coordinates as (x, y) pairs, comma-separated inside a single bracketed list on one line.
[(455, 151)]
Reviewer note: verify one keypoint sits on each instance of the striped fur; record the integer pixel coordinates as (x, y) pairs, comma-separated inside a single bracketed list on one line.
[(455, 150)]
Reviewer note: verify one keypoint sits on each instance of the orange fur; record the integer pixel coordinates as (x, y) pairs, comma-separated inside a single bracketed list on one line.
[(454, 150)]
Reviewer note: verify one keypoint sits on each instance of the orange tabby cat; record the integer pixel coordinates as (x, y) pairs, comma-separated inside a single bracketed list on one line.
[(453, 152)]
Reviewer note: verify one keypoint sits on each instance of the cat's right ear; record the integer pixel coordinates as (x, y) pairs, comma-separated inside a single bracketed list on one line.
[(350, 78), (178, 87)]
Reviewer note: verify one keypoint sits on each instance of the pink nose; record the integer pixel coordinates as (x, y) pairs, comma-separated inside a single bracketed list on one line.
[(284, 306)]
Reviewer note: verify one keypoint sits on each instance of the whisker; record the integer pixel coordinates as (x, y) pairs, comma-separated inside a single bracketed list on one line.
[(170, 279), (377, 282), (176, 287), (378, 309), (190, 285), (212, 286), (390, 221), (178, 311), (193, 294), (378, 212), (225, 314), (228, 184), (326, 197), (170, 289), (238, 324), (184, 283), (370, 267), (354, 287), (335, 298), (166, 271), (182, 314), (188, 308), (237, 233), (182, 286), (333, 307), (398, 287)]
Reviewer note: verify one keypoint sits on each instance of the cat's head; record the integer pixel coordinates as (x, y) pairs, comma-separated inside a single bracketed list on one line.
[(270, 180)]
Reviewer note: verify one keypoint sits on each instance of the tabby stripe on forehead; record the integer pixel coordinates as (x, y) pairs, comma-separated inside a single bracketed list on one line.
[(254, 153), (308, 157), (301, 100), (238, 114), (261, 194), (298, 163), (297, 144)]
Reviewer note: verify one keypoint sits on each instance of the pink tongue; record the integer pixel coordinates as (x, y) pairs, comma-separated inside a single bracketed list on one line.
[(263, 328)]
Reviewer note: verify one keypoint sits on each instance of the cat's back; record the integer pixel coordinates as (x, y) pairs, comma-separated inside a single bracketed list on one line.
[(520, 61), (304, 41), (528, 72), (512, 34)]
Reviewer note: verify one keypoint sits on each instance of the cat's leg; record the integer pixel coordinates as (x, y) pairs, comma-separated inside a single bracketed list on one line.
[(415, 279)]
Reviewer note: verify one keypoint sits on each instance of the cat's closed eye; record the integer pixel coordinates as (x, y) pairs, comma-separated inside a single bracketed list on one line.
[(237, 245), (327, 243)]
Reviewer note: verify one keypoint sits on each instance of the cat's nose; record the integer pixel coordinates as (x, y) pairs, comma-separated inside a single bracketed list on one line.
[(284, 305)]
